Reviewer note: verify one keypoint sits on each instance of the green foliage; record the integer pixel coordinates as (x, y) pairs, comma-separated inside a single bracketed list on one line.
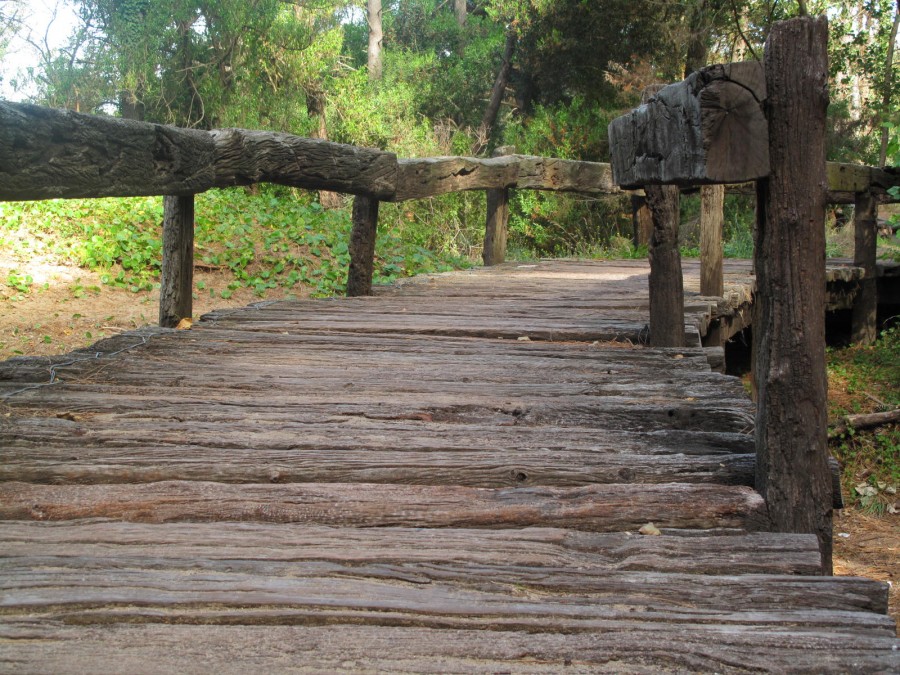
[(270, 240), (858, 377)]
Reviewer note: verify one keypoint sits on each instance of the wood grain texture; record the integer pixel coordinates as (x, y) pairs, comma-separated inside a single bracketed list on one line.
[(400, 483), (607, 647), (176, 276), (709, 128), (244, 157), (49, 153), (362, 246), (421, 178), (595, 508), (666, 282), (712, 222), (791, 431), (724, 552)]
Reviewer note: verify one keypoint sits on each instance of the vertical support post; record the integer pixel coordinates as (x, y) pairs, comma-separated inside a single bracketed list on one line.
[(177, 270), (865, 309), (496, 227), (792, 471), (641, 220), (362, 246), (666, 281), (712, 220)]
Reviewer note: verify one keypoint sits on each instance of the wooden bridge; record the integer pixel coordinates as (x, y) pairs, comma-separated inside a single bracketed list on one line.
[(478, 472), (451, 476)]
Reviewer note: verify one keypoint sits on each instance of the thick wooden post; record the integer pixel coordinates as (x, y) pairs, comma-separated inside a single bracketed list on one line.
[(641, 220), (362, 246), (791, 444), (177, 270), (495, 230), (712, 220), (865, 308), (666, 282)]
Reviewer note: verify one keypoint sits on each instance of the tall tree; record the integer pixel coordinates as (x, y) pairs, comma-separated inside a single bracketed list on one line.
[(461, 11), (376, 38)]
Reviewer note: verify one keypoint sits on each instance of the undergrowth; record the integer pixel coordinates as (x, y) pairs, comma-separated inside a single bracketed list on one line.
[(864, 379), (265, 240)]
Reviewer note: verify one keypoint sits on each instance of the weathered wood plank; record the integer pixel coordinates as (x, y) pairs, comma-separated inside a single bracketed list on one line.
[(674, 552), (421, 178), (244, 157), (48, 153), (85, 586), (600, 508), (613, 647), (709, 128)]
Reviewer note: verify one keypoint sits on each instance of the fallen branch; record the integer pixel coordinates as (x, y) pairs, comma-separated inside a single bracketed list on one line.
[(864, 421)]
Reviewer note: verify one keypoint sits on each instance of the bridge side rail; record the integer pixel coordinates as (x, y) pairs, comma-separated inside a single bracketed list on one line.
[(49, 153)]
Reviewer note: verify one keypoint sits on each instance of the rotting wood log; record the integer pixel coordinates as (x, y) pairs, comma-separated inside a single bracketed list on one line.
[(864, 421), (791, 425), (421, 178), (709, 128), (674, 552), (495, 229), (49, 153), (595, 508), (864, 322), (666, 280), (362, 246), (712, 220), (177, 270), (244, 157)]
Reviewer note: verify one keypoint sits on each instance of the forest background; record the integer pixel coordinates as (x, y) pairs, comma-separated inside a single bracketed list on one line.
[(415, 77)]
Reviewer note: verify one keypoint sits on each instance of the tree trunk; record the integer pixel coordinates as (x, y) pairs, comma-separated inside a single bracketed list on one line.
[(789, 329), (177, 270), (459, 7), (376, 37), (712, 202), (666, 283), (865, 308), (362, 246), (493, 109), (888, 86), (315, 108)]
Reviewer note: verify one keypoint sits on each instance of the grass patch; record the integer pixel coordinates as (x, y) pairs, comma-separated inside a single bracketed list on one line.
[(863, 379), (263, 240)]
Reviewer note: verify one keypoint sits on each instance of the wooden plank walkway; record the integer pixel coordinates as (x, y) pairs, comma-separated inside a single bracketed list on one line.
[(448, 477)]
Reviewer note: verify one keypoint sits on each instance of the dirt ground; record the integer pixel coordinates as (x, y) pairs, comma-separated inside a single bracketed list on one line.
[(68, 308)]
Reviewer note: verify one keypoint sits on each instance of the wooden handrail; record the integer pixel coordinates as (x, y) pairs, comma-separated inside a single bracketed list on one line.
[(50, 153)]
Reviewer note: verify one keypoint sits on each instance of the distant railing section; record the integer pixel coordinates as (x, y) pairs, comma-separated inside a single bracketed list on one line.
[(48, 153)]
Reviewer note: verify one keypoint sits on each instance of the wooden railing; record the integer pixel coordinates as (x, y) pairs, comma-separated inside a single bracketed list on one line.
[(765, 123), (49, 153)]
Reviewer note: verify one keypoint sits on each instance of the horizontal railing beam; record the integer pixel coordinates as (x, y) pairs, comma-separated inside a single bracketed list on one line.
[(429, 177)]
